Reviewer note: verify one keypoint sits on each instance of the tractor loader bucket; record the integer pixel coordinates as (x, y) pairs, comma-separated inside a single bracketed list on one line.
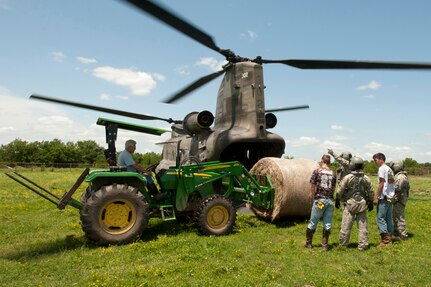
[(61, 203)]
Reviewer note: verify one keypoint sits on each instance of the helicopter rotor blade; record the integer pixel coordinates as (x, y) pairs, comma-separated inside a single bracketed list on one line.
[(195, 85), (176, 22), (101, 109), (336, 64), (288, 109)]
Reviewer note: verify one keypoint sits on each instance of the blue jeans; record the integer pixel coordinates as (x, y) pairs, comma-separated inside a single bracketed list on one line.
[(149, 179), (326, 212), (384, 216)]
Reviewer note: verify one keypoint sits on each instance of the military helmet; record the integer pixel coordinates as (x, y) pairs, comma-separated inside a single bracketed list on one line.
[(356, 163), (397, 166), (346, 155)]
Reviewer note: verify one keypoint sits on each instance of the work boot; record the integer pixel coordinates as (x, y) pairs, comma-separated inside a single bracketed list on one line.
[(325, 239), (386, 240), (309, 238)]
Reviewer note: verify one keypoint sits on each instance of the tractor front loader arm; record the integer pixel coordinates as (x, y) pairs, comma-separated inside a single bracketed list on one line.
[(60, 202)]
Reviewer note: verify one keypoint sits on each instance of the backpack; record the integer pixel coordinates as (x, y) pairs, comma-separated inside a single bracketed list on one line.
[(357, 188)]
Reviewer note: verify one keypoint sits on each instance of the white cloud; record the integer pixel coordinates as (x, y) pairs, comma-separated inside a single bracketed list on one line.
[(373, 85), (336, 146), (398, 152), (183, 70), (31, 121), (105, 97), (249, 35), (159, 77), (6, 130), (58, 56), (340, 128), (86, 60), (370, 97), (124, 98), (337, 127), (212, 63), (252, 35), (302, 141), (139, 83)]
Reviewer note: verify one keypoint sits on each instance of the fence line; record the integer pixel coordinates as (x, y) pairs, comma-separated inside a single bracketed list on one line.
[(52, 165)]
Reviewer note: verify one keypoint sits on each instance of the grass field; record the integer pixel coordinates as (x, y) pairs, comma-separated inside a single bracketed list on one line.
[(43, 246)]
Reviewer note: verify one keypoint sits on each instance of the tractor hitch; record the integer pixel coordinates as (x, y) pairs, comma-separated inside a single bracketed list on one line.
[(60, 202)]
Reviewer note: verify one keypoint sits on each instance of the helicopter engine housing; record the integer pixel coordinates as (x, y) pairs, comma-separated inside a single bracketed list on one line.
[(196, 122)]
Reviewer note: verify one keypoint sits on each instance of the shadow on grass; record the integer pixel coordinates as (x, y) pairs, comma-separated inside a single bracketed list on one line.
[(39, 249), (168, 228), (289, 222)]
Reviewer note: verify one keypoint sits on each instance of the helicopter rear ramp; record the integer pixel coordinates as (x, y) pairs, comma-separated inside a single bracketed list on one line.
[(291, 181)]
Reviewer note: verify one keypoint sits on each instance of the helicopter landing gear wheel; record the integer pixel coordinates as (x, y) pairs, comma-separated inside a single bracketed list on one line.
[(115, 214), (216, 216)]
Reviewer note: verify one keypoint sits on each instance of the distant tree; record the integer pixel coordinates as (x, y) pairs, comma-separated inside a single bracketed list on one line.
[(15, 151), (409, 163), (89, 151), (370, 167), (147, 159)]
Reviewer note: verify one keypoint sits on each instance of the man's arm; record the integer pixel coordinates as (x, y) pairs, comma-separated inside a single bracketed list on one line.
[(312, 192), (138, 167), (344, 163), (379, 189)]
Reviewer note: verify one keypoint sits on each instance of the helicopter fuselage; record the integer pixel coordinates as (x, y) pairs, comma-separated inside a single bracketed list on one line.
[(239, 131)]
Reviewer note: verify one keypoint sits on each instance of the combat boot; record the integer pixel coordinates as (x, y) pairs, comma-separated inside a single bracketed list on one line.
[(325, 239), (309, 238)]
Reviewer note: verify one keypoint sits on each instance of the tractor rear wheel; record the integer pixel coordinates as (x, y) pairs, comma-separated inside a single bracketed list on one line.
[(115, 214), (216, 215)]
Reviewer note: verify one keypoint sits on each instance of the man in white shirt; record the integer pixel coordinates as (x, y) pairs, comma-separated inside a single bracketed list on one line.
[(383, 199)]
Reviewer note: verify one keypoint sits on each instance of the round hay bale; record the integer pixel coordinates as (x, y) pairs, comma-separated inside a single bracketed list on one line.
[(291, 181)]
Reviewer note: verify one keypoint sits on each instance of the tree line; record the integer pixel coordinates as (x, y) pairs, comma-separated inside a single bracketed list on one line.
[(88, 152), (56, 152), (410, 165)]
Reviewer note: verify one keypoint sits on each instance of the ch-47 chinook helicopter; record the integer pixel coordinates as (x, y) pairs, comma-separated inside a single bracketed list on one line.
[(241, 121)]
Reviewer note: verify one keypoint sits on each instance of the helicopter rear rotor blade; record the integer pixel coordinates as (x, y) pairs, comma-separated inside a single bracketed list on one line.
[(195, 85), (100, 109), (288, 109), (339, 64), (176, 22)]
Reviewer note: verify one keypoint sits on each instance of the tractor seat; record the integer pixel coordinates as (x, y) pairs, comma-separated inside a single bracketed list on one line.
[(117, 168)]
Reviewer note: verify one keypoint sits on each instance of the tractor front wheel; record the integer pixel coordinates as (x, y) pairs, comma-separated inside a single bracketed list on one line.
[(115, 214), (216, 216)]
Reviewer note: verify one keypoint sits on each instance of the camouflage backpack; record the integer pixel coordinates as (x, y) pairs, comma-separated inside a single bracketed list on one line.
[(357, 188)]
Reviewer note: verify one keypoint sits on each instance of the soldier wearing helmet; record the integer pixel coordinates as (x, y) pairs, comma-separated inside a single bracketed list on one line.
[(343, 159), (356, 194), (402, 187)]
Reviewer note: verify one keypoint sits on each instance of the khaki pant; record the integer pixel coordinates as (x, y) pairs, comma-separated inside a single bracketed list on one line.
[(346, 228), (398, 214)]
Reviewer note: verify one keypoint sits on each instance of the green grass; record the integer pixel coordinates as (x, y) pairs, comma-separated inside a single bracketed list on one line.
[(43, 246)]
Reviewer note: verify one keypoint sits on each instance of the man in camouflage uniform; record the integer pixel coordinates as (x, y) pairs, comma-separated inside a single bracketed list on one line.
[(356, 193), (402, 187), (343, 159)]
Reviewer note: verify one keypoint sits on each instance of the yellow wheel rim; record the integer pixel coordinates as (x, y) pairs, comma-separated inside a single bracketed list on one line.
[(218, 217), (117, 216)]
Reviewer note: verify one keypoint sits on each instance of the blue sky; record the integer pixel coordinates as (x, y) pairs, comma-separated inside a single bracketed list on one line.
[(107, 53)]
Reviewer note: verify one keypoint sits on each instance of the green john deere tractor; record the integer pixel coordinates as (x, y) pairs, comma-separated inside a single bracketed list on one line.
[(117, 205)]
